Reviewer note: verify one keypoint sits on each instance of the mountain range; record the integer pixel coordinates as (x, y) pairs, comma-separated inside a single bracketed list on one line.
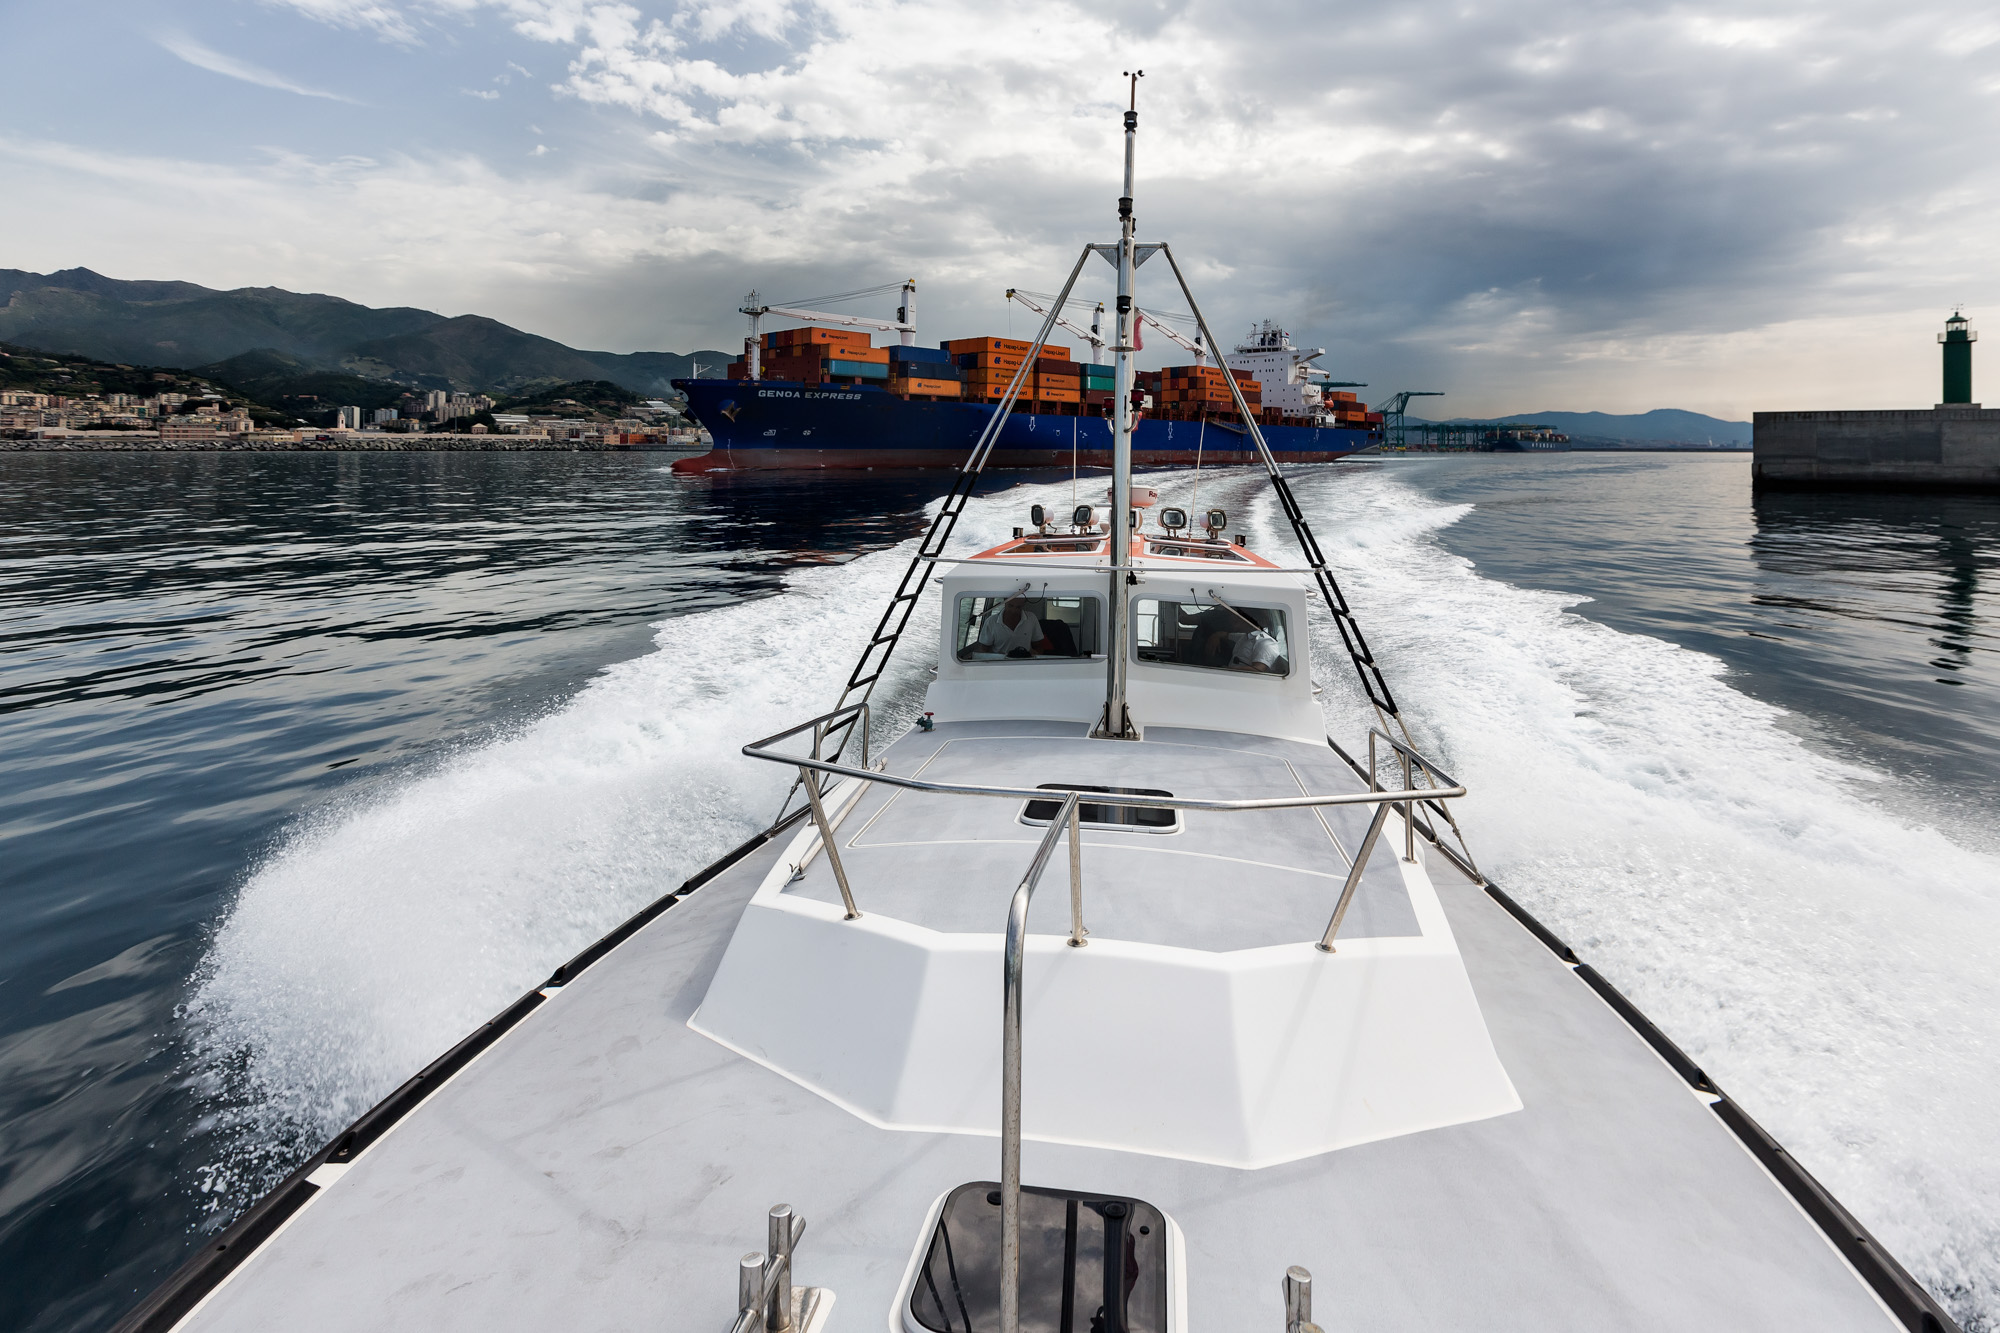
[(273, 334), (1661, 426)]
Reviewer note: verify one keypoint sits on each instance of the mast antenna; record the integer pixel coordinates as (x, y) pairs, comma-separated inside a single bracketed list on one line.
[(1116, 724)]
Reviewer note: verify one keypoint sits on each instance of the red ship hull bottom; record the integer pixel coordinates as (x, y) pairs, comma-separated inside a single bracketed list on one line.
[(740, 460)]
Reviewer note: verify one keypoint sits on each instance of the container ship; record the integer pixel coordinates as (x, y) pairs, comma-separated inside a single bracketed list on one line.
[(826, 397)]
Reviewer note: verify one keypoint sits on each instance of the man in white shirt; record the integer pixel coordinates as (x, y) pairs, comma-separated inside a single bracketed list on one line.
[(1013, 630), (1253, 650)]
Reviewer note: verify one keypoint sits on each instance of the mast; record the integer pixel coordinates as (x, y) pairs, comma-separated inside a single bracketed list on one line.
[(1117, 723)]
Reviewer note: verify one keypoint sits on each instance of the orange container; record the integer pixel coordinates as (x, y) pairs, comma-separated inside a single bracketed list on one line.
[(1012, 346), (1057, 396), (932, 388), (833, 337), (874, 356)]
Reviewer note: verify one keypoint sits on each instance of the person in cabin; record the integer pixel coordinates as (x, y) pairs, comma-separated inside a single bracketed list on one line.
[(1236, 640), (1013, 631), (1254, 649)]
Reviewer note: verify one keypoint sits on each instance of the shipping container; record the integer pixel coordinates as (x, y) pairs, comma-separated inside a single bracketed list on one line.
[(999, 378), (987, 360), (1010, 346), (930, 356), (867, 370), (925, 387), (808, 336)]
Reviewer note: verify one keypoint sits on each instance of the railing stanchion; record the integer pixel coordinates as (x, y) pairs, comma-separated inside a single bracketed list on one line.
[(1010, 1071), (811, 782), (1409, 817), (749, 1285), (1298, 1298), (778, 1315), (1354, 875), (1076, 930)]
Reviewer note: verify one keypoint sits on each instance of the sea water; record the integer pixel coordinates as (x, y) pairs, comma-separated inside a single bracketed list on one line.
[(313, 764)]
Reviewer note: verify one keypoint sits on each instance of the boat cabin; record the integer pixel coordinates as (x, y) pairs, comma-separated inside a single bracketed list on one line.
[(1212, 625)]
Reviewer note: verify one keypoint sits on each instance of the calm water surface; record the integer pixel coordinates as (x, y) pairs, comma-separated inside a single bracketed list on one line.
[(226, 677)]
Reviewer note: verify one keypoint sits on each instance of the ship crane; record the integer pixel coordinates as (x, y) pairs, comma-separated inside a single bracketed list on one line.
[(904, 323), (1094, 335), (1195, 346)]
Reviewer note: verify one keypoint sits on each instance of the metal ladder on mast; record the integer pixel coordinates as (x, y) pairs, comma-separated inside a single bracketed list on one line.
[(881, 645)]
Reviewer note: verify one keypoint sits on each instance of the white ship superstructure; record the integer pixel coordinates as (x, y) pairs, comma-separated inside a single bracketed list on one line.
[(1281, 369)]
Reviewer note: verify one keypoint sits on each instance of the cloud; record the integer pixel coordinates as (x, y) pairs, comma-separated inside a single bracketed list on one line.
[(385, 20), (1617, 206), (202, 57), (1586, 186)]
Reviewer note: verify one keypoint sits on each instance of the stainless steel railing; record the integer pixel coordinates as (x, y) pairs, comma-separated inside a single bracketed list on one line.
[(1068, 821)]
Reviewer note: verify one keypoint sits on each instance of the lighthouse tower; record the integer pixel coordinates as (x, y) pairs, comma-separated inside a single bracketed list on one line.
[(1957, 339)]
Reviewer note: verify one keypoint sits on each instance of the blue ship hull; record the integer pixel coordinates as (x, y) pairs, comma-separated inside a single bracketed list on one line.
[(778, 424)]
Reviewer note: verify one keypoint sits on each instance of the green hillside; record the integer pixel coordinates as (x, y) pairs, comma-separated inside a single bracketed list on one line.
[(583, 398), (294, 387), (181, 324), (32, 371)]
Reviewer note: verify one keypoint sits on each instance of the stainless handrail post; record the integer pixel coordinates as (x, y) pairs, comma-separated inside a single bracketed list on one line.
[(1354, 875), (1076, 930), (1298, 1298), (778, 1311), (749, 1285), (1010, 1072), (826, 840), (1409, 817)]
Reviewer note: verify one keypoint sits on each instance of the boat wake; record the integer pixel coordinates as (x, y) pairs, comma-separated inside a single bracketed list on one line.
[(1828, 963), (1824, 960), (386, 926)]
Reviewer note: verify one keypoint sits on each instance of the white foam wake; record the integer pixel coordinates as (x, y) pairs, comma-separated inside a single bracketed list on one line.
[(1829, 964), (388, 925)]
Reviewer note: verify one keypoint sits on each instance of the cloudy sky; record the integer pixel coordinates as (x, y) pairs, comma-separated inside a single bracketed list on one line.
[(1543, 204)]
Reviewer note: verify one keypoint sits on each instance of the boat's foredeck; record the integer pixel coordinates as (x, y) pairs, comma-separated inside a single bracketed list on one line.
[(606, 1164), (1211, 880)]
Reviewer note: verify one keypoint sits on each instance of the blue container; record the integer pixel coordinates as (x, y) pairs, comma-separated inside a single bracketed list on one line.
[(867, 370), (930, 356)]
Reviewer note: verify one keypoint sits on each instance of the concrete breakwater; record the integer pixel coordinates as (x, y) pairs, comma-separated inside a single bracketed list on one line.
[(1954, 446)]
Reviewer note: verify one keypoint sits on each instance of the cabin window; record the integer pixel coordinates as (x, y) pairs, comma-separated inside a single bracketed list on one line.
[(1019, 626), (1217, 636)]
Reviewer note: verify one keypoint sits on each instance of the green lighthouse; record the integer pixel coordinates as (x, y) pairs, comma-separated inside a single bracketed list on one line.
[(1957, 340)]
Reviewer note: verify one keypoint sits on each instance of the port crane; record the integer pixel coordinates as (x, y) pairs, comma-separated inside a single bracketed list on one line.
[(904, 323), (1393, 429)]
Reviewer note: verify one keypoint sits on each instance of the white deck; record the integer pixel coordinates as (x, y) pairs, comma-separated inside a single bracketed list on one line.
[(604, 1164)]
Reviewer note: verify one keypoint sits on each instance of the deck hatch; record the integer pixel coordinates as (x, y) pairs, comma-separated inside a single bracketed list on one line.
[(1136, 818), (1065, 1236)]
